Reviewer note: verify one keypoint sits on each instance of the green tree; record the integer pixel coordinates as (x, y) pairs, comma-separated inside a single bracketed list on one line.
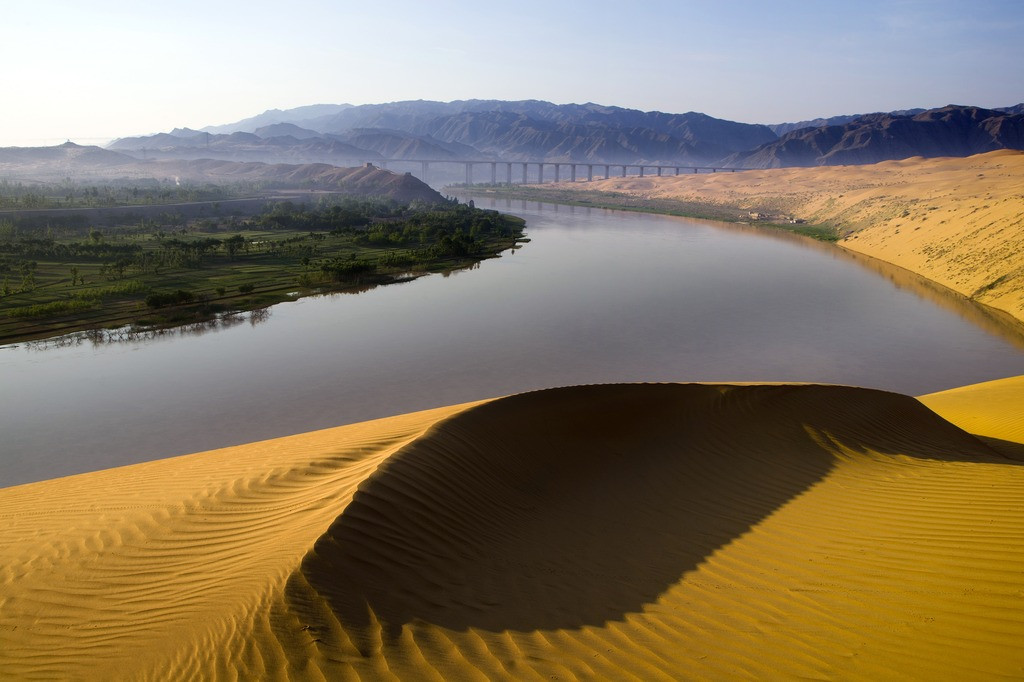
[(233, 244)]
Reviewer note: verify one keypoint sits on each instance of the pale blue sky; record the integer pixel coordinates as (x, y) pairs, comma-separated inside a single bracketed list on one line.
[(91, 71)]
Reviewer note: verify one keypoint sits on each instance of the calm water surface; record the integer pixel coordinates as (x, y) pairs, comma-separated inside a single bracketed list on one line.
[(596, 296)]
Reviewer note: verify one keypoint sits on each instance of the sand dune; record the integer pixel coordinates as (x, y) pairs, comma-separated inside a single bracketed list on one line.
[(597, 532), (994, 409), (956, 221)]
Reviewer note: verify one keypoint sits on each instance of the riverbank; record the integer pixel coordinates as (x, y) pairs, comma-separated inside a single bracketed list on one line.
[(766, 531), (145, 277), (956, 221)]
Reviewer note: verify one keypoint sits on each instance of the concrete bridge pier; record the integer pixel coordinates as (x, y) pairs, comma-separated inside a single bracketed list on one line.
[(540, 173), (659, 171), (510, 172), (590, 172), (641, 171), (524, 172), (607, 171), (494, 173), (469, 173), (557, 169), (424, 170), (623, 170), (572, 172)]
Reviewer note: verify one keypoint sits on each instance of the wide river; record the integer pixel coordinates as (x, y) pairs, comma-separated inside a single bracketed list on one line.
[(595, 296)]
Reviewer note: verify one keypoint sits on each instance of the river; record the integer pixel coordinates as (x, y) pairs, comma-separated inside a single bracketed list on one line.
[(595, 296)]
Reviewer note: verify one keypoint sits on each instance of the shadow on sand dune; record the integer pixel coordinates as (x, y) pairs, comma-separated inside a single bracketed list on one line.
[(574, 507)]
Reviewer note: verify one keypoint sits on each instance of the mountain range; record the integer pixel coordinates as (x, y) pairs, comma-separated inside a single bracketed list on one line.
[(948, 131), (532, 130)]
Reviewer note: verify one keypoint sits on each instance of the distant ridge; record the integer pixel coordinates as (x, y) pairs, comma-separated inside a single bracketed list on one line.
[(272, 116), (952, 130), (781, 129), (274, 143), (527, 130), (535, 130), (77, 162)]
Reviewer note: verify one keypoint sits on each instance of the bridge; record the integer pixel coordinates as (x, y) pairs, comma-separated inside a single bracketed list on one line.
[(575, 169)]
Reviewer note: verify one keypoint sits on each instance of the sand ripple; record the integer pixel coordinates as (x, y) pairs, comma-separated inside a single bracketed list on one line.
[(596, 532)]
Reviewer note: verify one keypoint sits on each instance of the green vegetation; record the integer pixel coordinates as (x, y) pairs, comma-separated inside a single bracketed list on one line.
[(822, 233), (627, 202), (127, 192), (159, 273)]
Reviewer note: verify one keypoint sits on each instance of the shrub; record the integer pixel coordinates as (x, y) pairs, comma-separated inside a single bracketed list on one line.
[(160, 299)]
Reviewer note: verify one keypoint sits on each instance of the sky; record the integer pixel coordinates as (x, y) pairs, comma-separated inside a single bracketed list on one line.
[(94, 71)]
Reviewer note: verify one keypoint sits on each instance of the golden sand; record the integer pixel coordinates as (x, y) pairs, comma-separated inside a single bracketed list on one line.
[(658, 531), (956, 221), (994, 409)]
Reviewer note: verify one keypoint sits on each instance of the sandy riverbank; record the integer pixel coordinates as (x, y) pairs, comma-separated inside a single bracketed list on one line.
[(612, 532), (956, 221)]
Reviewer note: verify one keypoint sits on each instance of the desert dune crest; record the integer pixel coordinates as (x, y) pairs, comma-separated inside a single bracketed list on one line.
[(637, 531)]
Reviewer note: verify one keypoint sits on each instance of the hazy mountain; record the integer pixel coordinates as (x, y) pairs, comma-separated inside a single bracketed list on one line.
[(157, 141), (426, 118), (519, 130), (282, 129), (781, 129), (518, 136), (62, 160), (52, 164), (533, 130), (187, 133), (360, 181), (949, 131), (272, 116), (297, 146), (396, 144)]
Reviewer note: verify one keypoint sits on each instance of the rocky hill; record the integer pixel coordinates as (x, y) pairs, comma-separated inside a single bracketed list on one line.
[(953, 130)]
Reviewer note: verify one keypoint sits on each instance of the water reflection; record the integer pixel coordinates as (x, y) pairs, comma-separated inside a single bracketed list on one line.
[(595, 296), (130, 334), (993, 321)]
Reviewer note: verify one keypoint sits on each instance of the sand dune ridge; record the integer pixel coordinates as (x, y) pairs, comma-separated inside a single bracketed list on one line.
[(667, 531)]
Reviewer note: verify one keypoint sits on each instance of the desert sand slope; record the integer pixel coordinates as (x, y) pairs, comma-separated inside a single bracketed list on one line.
[(600, 532), (994, 409), (956, 221)]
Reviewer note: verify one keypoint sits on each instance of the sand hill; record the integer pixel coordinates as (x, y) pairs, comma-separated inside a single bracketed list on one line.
[(956, 221), (600, 532)]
